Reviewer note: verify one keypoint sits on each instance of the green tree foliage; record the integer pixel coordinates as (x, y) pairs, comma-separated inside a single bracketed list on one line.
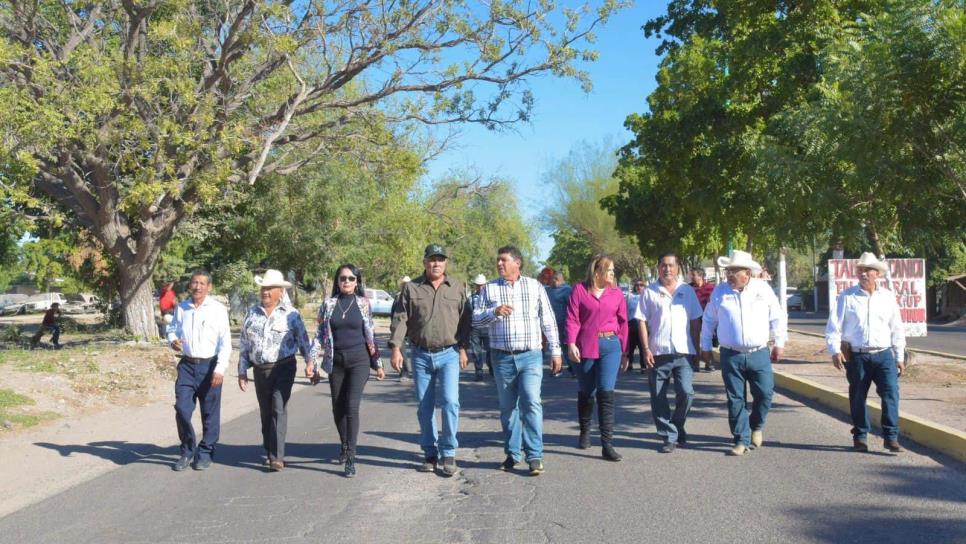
[(580, 227), (350, 208), (472, 219), (772, 124), (728, 69), (132, 116), (877, 155)]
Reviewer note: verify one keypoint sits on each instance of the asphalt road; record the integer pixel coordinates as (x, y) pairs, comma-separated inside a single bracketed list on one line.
[(804, 485), (946, 339)]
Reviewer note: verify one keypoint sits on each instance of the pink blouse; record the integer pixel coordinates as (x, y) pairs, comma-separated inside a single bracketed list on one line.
[(587, 316)]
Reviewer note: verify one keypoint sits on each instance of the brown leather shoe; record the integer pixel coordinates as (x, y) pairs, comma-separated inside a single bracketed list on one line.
[(892, 445)]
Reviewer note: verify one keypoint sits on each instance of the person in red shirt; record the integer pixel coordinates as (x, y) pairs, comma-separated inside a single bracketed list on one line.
[(703, 289), (167, 300), (49, 324)]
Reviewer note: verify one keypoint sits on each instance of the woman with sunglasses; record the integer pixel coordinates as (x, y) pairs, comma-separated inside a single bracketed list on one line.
[(347, 345)]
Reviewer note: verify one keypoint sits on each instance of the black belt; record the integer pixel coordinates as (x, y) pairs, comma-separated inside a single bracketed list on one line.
[(436, 350), (513, 351), (285, 361), (197, 360), (868, 350)]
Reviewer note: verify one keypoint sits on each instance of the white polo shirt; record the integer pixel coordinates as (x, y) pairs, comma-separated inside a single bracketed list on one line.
[(867, 321), (744, 319), (668, 316)]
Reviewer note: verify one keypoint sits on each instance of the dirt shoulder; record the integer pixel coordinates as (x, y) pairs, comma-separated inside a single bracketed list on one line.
[(97, 404)]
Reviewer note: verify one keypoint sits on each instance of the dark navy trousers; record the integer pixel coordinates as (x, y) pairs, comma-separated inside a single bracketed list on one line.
[(194, 385)]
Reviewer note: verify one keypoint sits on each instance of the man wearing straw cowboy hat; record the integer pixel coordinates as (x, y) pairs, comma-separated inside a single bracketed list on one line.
[(270, 335), (480, 337), (742, 311), (865, 334)]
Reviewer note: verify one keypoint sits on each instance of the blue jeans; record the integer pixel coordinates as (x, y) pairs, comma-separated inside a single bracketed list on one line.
[(518, 378), (600, 372), (441, 367), (754, 368), (862, 371), (194, 384), (480, 351), (665, 367)]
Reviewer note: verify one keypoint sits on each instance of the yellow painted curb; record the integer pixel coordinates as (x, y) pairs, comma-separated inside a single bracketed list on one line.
[(935, 436), (921, 431)]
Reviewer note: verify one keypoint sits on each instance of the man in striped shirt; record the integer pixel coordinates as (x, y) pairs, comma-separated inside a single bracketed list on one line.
[(518, 314)]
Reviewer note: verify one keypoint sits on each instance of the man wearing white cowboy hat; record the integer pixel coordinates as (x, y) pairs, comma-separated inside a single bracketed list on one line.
[(270, 335), (865, 334), (480, 337), (743, 311)]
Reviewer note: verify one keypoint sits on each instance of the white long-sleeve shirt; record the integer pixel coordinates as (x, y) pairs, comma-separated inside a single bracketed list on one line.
[(203, 330), (867, 321), (744, 319)]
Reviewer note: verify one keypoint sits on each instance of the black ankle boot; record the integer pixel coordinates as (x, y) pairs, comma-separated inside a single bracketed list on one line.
[(344, 454), (605, 416), (585, 413), (350, 467)]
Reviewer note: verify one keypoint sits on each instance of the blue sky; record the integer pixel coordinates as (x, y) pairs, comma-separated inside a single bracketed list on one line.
[(564, 116)]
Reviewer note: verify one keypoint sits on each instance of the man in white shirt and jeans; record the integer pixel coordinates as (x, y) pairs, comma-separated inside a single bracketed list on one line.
[(669, 318), (743, 311), (865, 334), (199, 331)]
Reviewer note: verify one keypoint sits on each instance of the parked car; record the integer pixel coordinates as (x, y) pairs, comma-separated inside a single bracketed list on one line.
[(380, 301), (793, 300), (12, 304), (41, 302), (81, 303)]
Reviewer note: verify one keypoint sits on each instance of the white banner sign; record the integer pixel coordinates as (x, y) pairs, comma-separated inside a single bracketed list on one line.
[(907, 279)]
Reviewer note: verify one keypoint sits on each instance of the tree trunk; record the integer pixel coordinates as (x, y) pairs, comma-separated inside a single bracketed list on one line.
[(873, 236), (137, 302)]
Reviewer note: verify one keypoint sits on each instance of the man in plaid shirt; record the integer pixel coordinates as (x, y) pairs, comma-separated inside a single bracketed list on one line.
[(518, 314)]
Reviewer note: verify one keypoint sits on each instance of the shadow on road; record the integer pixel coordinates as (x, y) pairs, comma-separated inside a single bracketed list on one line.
[(845, 522)]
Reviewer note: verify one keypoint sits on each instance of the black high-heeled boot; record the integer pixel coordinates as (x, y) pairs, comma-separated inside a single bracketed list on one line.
[(605, 417), (585, 415)]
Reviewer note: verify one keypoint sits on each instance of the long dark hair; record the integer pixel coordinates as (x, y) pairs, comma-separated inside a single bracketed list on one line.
[(360, 286)]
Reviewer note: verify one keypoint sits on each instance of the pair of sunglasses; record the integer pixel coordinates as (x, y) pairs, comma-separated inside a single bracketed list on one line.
[(347, 278)]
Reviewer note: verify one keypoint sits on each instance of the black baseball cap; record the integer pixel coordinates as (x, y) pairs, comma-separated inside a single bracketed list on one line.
[(434, 249)]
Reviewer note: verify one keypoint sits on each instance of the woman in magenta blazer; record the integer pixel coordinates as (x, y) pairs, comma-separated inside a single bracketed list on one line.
[(597, 339)]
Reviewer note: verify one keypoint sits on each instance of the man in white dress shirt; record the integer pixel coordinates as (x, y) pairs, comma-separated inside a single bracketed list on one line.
[(199, 331), (669, 317), (743, 311), (865, 334)]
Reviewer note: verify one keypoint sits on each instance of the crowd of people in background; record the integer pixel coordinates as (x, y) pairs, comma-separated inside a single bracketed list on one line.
[(511, 327)]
